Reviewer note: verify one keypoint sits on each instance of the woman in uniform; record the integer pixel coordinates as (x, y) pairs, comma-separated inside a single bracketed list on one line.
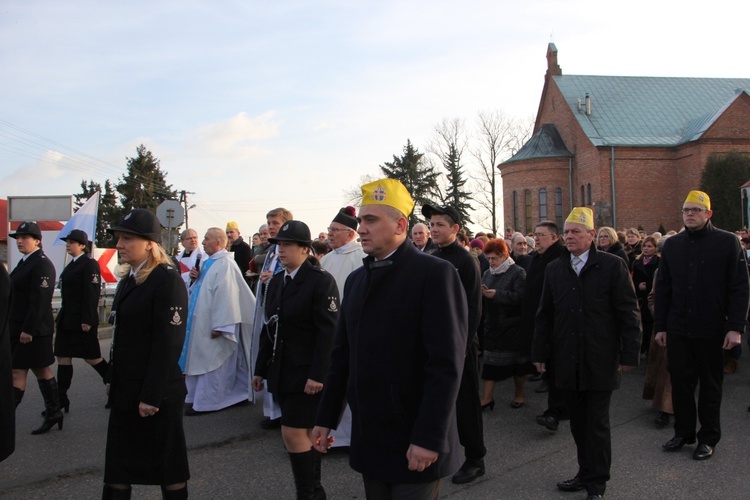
[(78, 319), (145, 437), (302, 305), (31, 323)]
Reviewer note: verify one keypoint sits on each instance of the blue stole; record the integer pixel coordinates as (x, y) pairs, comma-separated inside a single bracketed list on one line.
[(206, 265)]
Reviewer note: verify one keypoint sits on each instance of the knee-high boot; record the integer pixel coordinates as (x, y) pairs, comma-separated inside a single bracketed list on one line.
[(64, 379), (52, 413), (320, 493), (180, 494), (18, 393), (102, 368), (303, 468), (110, 493)]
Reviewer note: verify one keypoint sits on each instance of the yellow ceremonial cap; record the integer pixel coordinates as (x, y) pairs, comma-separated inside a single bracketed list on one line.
[(232, 225), (700, 198), (388, 192), (582, 215)]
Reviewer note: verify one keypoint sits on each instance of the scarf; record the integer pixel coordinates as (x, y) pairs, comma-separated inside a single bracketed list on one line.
[(502, 267)]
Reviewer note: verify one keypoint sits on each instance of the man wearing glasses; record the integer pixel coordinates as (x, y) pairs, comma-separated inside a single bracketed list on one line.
[(701, 300)]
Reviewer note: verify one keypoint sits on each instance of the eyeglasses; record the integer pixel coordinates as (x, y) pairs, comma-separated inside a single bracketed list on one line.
[(335, 230), (693, 210)]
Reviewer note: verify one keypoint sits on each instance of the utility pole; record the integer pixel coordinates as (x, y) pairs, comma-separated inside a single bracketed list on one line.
[(184, 201)]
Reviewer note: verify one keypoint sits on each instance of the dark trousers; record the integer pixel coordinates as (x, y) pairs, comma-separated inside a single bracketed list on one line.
[(689, 361), (589, 424), (555, 397), (379, 490), (469, 408)]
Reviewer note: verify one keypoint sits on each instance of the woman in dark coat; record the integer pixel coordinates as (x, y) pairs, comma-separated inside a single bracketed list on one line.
[(31, 323), (633, 245), (506, 351), (295, 349), (78, 319), (145, 437), (607, 242), (644, 268)]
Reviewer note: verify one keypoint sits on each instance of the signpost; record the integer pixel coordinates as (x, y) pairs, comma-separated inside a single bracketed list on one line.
[(171, 215)]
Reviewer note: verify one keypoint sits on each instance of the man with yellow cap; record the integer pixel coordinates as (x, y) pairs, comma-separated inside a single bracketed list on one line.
[(242, 251), (589, 326), (398, 356), (701, 299)]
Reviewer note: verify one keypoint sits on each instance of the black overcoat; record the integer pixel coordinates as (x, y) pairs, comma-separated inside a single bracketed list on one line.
[(398, 359), (7, 400), (33, 285), (80, 285), (588, 324), (307, 310)]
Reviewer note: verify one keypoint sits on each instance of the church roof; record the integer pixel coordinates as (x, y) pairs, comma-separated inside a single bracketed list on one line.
[(648, 111), (545, 143)]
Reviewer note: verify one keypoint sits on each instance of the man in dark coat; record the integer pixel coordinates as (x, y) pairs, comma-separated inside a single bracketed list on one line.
[(701, 301), (444, 226), (548, 248), (420, 236), (7, 404), (398, 356), (242, 251), (588, 324)]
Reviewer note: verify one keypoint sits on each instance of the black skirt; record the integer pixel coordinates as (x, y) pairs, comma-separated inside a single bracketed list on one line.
[(35, 354), (75, 343), (146, 450), (298, 409)]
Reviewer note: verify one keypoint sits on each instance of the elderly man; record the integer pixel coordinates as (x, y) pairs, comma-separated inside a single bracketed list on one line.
[(701, 299), (191, 254), (216, 354), (420, 236), (242, 251), (397, 357), (519, 249), (588, 324)]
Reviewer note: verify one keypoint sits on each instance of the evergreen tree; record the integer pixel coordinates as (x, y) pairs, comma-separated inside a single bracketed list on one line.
[(144, 185), (107, 208), (721, 179), (414, 173), (455, 195)]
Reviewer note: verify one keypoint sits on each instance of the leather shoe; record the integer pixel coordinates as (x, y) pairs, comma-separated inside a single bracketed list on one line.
[(548, 421), (662, 420), (676, 443), (703, 452), (594, 497), (571, 485), (469, 471)]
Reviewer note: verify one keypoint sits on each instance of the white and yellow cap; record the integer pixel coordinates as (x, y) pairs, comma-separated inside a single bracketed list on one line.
[(582, 215), (700, 198), (388, 192)]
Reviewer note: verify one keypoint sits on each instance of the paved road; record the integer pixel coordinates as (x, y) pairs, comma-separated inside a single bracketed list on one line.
[(232, 457)]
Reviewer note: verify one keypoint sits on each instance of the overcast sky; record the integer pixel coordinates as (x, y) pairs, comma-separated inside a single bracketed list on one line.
[(253, 105)]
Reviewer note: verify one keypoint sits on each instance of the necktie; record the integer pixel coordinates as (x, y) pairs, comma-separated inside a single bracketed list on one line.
[(576, 262), (287, 280)]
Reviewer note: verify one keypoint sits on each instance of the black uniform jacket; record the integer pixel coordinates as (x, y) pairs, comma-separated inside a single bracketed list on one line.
[(307, 310), (7, 401), (80, 284), (398, 359), (242, 254), (701, 289), (588, 324), (33, 284), (532, 292), (147, 343)]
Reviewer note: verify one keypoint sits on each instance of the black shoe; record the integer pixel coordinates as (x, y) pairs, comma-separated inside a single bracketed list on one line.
[(490, 405), (535, 377), (269, 424), (676, 443), (543, 387), (662, 420), (571, 485), (594, 497), (469, 471), (516, 404), (703, 452), (549, 421), (52, 414)]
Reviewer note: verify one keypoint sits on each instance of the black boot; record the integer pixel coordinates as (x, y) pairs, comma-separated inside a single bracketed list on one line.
[(110, 493), (64, 378), (180, 494), (102, 368), (320, 493), (52, 413), (18, 393), (303, 468)]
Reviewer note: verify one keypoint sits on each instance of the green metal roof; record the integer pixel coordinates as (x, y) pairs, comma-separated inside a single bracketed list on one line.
[(545, 143), (648, 111)]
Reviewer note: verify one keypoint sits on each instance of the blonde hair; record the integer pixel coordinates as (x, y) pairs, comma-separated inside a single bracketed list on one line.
[(156, 257), (609, 232)]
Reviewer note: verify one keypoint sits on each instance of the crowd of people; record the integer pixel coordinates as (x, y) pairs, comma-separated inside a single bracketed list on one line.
[(381, 338)]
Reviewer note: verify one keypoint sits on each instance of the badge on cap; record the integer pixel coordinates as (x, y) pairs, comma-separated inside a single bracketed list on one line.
[(127, 216), (378, 193), (286, 226)]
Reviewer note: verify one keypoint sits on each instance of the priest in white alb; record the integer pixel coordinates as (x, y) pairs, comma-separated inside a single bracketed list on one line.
[(216, 354)]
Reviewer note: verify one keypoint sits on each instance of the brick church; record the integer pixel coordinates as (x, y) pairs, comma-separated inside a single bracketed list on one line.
[(631, 148)]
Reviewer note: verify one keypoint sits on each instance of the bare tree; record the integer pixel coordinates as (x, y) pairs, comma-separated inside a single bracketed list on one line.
[(448, 147), (353, 195), (498, 137)]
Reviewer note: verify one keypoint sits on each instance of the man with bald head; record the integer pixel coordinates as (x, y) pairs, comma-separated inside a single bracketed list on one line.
[(216, 354), (420, 236)]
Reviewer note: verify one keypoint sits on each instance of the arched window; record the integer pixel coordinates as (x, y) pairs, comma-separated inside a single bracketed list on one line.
[(542, 204), (528, 207), (515, 209), (558, 207), (583, 196), (589, 188)]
